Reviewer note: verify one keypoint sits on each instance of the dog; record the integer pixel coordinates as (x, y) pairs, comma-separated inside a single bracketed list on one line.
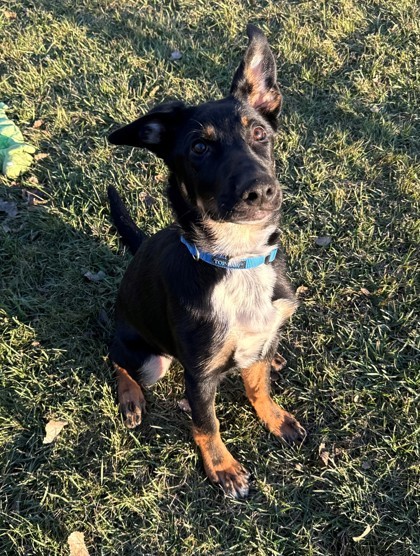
[(210, 290)]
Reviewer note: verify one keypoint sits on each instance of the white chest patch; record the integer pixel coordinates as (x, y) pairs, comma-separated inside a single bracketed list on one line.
[(249, 319)]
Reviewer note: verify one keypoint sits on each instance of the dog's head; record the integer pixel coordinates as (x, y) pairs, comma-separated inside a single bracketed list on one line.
[(221, 152)]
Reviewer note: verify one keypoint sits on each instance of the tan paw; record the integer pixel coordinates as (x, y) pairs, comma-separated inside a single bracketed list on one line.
[(232, 478), (132, 413), (281, 423)]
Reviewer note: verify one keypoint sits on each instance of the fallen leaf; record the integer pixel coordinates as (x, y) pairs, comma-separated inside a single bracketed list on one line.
[(176, 55), (323, 241), (33, 180), (76, 542), (9, 208), (363, 535), (94, 277), (37, 124), (41, 156), (365, 291), (9, 14), (52, 430), (324, 454)]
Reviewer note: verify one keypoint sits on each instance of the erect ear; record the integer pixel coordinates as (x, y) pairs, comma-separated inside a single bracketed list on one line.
[(255, 80), (151, 131)]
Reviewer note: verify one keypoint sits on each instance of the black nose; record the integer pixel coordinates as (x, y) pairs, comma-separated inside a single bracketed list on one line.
[(260, 194)]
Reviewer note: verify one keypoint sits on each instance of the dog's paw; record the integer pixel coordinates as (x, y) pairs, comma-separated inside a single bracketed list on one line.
[(281, 423), (133, 407), (132, 413), (233, 479), (290, 429)]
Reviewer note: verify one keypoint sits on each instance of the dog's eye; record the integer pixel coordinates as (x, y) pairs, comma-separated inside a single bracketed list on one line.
[(259, 133), (198, 147)]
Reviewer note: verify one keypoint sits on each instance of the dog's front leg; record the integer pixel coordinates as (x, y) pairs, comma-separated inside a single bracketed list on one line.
[(219, 464), (278, 421)]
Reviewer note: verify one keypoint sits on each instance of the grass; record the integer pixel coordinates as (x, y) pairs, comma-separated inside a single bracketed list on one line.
[(347, 160)]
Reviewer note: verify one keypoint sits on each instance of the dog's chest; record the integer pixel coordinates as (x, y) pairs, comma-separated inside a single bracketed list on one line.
[(245, 314)]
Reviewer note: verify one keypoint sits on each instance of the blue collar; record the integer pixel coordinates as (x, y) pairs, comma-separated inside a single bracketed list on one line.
[(222, 261)]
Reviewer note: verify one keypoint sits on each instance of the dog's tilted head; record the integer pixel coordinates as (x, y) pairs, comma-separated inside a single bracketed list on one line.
[(220, 153)]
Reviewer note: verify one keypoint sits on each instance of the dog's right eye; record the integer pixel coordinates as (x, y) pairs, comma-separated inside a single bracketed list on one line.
[(198, 147)]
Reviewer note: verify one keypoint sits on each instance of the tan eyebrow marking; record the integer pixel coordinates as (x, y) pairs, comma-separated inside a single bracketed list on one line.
[(209, 132)]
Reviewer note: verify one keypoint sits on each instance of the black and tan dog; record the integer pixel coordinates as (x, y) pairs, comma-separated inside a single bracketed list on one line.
[(210, 290)]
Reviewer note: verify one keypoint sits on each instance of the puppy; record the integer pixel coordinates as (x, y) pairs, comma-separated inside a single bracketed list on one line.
[(210, 290)]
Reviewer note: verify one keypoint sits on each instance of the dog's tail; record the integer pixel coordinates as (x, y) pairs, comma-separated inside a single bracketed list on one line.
[(130, 234)]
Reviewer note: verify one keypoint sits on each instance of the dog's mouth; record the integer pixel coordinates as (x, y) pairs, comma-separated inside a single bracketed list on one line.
[(247, 217), (242, 217), (244, 214)]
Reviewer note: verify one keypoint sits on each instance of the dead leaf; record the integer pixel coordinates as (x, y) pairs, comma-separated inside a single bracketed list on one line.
[(52, 430), (324, 454), (363, 535), (33, 180), (176, 55), (323, 241), (94, 277), (365, 291), (41, 156), (9, 208), (9, 14), (76, 542), (37, 124)]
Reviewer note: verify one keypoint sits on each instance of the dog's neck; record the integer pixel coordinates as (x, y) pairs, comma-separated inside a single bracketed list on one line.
[(217, 237), (235, 240)]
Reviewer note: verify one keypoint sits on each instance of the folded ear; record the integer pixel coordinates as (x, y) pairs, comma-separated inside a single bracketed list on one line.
[(255, 80), (151, 131)]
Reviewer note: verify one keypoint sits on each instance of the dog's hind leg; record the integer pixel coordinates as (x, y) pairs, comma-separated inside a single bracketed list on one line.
[(136, 365), (130, 398)]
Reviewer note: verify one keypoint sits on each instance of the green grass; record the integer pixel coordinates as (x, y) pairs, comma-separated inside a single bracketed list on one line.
[(347, 160)]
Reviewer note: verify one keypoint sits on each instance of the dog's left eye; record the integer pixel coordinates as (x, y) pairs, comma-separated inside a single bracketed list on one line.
[(259, 133), (198, 147)]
